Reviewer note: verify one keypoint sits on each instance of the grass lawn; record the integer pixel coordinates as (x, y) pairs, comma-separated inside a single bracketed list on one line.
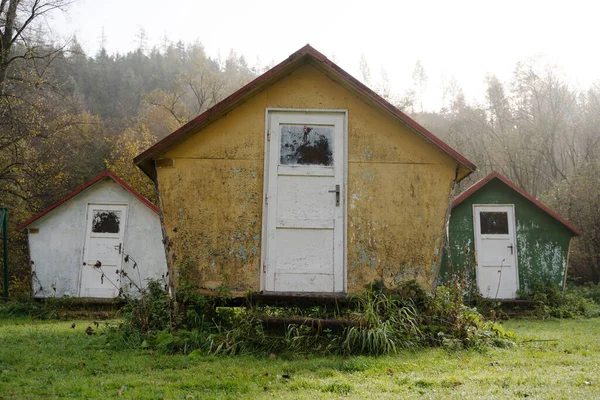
[(48, 359)]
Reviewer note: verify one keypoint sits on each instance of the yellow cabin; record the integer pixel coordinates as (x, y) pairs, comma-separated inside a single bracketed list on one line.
[(304, 181)]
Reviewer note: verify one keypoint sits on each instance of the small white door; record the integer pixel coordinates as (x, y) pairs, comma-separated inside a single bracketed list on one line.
[(495, 244), (305, 207), (103, 250)]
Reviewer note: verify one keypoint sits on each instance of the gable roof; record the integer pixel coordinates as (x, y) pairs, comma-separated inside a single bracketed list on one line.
[(495, 175), (306, 54), (98, 178)]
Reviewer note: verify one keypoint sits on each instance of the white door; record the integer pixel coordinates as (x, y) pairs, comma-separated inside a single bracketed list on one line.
[(495, 244), (304, 205), (103, 250)]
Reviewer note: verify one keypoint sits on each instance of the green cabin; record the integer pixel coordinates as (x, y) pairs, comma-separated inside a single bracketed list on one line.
[(503, 240)]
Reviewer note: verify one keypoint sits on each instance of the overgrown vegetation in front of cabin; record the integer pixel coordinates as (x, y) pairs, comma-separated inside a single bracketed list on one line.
[(378, 321)]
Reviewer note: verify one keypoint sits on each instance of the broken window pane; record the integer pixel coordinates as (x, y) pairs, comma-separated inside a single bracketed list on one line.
[(106, 222), (493, 222), (306, 145)]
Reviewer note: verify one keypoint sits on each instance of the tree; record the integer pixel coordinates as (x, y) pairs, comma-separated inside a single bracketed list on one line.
[(17, 21), (124, 148), (365, 72), (419, 81), (26, 97), (577, 198), (142, 39), (36, 118), (198, 84)]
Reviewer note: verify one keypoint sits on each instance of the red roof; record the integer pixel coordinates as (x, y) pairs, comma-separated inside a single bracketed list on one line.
[(105, 174), (305, 54), (495, 175)]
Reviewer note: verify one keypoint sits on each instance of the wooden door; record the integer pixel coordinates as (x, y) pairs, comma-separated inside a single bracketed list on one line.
[(495, 244), (305, 202), (103, 250)]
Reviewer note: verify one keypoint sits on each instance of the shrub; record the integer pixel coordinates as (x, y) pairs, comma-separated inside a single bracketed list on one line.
[(449, 322), (589, 291), (553, 302), (26, 306), (20, 287), (152, 311), (379, 321)]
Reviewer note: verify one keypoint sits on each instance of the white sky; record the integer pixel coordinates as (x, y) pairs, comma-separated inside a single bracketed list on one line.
[(466, 40)]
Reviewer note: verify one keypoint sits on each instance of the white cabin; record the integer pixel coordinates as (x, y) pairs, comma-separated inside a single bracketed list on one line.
[(101, 239)]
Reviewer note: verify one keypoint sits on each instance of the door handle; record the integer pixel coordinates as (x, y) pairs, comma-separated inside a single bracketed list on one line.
[(337, 195), (119, 247), (511, 248)]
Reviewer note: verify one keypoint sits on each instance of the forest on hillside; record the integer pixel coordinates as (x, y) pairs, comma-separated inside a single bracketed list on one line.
[(67, 115)]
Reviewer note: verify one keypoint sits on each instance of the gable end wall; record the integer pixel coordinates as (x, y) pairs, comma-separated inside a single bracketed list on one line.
[(56, 250), (542, 241), (398, 190)]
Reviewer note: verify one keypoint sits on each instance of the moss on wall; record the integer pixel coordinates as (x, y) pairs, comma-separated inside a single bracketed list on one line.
[(542, 241)]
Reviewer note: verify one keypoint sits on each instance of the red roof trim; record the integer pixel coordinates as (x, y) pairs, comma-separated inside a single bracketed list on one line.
[(105, 174), (495, 175), (307, 50)]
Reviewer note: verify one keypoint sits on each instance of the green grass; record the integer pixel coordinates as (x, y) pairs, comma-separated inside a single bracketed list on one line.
[(48, 359)]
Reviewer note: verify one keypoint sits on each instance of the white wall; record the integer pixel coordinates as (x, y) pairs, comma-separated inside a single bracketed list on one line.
[(56, 251)]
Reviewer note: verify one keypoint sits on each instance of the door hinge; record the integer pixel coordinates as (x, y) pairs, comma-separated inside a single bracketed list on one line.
[(266, 199), (268, 136), (264, 266)]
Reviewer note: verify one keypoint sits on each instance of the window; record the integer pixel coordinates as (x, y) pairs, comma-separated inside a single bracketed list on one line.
[(106, 222), (306, 145), (493, 223)]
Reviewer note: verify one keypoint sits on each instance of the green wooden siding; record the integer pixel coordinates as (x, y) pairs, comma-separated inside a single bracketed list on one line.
[(542, 241)]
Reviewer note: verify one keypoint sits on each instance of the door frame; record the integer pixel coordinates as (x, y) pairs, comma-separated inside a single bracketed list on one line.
[(266, 156), (85, 234), (477, 238)]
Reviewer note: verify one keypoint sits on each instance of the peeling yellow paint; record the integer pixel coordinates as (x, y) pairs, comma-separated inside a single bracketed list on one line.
[(398, 190)]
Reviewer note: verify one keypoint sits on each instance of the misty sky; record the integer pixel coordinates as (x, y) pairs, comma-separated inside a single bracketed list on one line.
[(464, 40)]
